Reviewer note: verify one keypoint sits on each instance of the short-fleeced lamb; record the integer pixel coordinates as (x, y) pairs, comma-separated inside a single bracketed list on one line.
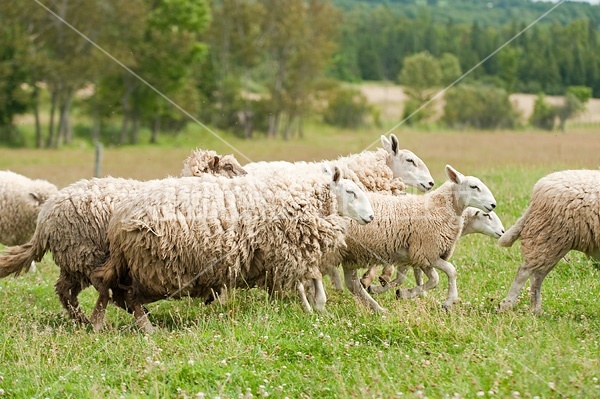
[(72, 225), (189, 239), (474, 221), (563, 215), (20, 202), (421, 230)]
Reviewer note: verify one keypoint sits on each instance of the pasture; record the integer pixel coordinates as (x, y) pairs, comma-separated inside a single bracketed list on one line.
[(253, 346)]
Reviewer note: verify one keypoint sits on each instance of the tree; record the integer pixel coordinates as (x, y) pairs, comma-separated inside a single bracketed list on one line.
[(479, 106), (450, 67), (544, 115), (420, 74), (574, 102)]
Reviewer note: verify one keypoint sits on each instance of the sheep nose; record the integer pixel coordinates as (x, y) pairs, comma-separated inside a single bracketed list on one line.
[(502, 231), (493, 206), (431, 183), (371, 217)]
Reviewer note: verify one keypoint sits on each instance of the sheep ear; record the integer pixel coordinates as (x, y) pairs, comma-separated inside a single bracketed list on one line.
[(454, 175), (37, 198), (215, 162), (395, 145), (390, 146), (336, 175)]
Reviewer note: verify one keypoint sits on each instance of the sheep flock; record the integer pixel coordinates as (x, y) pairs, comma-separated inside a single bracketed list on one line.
[(281, 226)]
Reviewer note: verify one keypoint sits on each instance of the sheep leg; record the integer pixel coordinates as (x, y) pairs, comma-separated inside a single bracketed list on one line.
[(320, 296), (336, 280), (386, 275), (354, 285), (141, 318), (368, 277), (418, 275), (99, 311), (68, 288), (303, 299), (402, 269), (513, 293), (450, 271), (432, 282)]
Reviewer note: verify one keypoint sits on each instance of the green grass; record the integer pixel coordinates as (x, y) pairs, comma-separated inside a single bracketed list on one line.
[(253, 345)]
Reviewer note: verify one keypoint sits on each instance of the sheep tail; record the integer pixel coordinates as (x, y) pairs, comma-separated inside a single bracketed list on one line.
[(16, 259), (514, 233)]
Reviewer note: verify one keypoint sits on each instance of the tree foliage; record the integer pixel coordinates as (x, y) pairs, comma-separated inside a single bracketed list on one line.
[(480, 107)]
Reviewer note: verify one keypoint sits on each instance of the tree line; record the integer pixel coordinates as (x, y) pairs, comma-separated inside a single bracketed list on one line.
[(253, 65)]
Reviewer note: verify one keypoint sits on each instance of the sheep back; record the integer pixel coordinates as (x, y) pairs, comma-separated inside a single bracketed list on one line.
[(564, 212), (20, 202)]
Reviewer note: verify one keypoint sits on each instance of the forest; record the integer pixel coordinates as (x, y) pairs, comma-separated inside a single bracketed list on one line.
[(107, 69)]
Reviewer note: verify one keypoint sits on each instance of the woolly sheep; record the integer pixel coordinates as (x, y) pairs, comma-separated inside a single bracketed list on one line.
[(20, 202), (178, 238), (202, 162), (418, 229), (563, 215), (474, 221), (388, 169), (72, 225)]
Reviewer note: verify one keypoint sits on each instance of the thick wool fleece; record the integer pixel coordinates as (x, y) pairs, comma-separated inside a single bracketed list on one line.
[(202, 162), (177, 238), (411, 228), (20, 202), (369, 169), (563, 214)]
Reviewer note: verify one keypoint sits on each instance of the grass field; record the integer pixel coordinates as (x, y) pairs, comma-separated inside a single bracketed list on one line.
[(252, 346)]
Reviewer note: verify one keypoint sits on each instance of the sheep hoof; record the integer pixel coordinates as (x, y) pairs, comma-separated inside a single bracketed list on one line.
[(384, 282), (504, 305), (97, 327), (446, 305), (402, 294)]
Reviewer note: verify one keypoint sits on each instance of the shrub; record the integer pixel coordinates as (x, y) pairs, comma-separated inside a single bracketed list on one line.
[(347, 107), (479, 106), (544, 114)]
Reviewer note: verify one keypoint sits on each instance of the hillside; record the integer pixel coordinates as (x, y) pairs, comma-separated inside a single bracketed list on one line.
[(487, 13)]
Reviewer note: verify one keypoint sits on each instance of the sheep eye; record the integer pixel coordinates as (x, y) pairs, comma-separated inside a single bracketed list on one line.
[(475, 188), (351, 192), (487, 215), (411, 161)]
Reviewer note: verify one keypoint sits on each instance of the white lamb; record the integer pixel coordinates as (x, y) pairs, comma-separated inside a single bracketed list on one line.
[(421, 230), (179, 238), (474, 221), (20, 202), (563, 215), (72, 225)]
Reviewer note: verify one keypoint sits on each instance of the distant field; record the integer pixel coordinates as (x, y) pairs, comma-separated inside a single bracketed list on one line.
[(255, 347), (389, 99)]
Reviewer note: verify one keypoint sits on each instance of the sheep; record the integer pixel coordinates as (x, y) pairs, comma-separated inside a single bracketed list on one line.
[(389, 169), (72, 224), (202, 162), (178, 238), (474, 221), (20, 202), (563, 215), (414, 229)]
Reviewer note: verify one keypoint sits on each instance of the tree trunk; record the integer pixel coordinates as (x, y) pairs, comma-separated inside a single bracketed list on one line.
[(53, 101), (155, 130), (273, 125), (301, 127), (135, 128), (36, 115), (67, 127), (288, 128), (97, 122)]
